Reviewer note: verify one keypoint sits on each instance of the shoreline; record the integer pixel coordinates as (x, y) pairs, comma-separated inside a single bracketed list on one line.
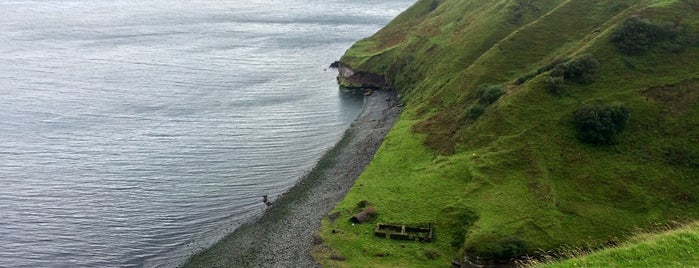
[(282, 236)]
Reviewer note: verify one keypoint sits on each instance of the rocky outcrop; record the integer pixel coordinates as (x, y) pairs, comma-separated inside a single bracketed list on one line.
[(349, 78)]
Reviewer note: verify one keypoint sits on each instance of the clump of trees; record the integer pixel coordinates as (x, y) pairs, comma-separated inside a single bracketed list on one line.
[(580, 70), (637, 35), (600, 124)]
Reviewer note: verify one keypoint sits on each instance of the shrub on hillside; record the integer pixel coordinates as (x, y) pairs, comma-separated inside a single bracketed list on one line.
[(433, 5), (636, 35), (487, 94), (581, 69), (490, 94), (555, 84), (476, 111), (558, 71), (600, 124)]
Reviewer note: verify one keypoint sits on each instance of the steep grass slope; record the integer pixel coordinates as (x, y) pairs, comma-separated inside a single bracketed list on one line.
[(500, 176), (674, 248)]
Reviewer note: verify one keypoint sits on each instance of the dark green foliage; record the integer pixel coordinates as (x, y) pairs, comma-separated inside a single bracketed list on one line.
[(487, 94), (555, 85), (558, 71), (600, 124), (476, 111), (433, 5), (490, 94), (504, 249), (636, 35), (580, 70)]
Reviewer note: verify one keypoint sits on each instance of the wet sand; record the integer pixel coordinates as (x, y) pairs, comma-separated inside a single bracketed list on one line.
[(282, 236)]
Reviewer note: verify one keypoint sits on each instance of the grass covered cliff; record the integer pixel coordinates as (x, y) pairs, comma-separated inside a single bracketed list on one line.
[(671, 248), (529, 125)]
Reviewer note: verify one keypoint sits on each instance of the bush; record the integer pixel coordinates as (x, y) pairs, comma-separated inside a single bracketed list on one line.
[(600, 124), (486, 95), (433, 5), (559, 70), (490, 94), (636, 35), (581, 69), (476, 111), (555, 85)]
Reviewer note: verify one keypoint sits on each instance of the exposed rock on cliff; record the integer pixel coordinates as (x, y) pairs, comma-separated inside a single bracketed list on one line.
[(349, 78)]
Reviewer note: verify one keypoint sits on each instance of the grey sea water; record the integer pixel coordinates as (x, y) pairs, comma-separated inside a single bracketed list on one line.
[(135, 133)]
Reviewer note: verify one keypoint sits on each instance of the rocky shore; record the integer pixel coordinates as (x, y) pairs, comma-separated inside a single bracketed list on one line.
[(283, 235)]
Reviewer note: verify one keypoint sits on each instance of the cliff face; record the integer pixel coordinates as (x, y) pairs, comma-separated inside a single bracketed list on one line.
[(349, 78), (529, 124)]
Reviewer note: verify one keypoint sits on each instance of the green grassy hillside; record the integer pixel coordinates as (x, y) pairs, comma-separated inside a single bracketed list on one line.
[(500, 176), (674, 248)]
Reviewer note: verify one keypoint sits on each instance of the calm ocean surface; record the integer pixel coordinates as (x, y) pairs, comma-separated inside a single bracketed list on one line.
[(135, 133)]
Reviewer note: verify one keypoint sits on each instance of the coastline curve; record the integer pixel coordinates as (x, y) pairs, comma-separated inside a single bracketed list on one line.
[(282, 236)]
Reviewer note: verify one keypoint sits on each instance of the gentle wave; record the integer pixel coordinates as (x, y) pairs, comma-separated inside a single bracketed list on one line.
[(134, 133)]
